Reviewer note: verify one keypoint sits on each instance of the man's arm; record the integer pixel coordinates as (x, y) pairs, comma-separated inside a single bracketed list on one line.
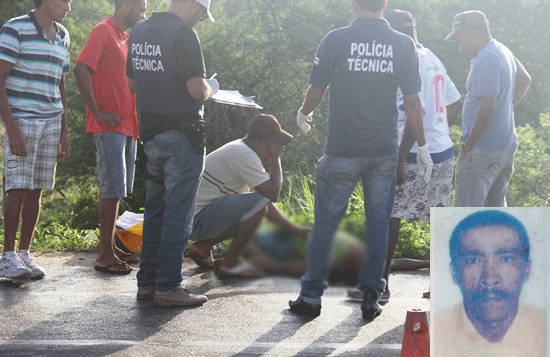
[(414, 128), (82, 74), (64, 142), (312, 99), (484, 116), (274, 215), (523, 81), (132, 85), (18, 144), (453, 110), (199, 89), (413, 107), (272, 187)]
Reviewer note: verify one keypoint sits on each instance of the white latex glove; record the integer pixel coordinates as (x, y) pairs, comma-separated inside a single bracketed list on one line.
[(425, 163), (213, 83), (302, 120)]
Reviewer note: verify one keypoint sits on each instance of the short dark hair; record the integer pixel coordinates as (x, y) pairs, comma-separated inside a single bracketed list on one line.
[(119, 3), (409, 31), (371, 5), (402, 21), (487, 218), (37, 3)]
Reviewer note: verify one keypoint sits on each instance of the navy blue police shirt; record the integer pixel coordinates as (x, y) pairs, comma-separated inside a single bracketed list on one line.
[(364, 64), (163, 54)]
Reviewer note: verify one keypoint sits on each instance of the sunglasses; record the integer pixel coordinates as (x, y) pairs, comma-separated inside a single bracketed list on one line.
[(205, 10)]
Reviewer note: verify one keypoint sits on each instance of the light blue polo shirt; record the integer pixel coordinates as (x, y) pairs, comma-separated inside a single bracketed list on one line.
[(492, 72)]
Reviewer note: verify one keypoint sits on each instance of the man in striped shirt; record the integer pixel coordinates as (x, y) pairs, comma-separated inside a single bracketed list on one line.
[(34, 56)]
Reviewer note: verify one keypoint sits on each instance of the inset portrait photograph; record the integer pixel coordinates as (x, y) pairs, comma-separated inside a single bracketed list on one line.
[(489, 282)]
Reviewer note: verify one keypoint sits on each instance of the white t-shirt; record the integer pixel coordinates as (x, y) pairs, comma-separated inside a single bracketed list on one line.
[(438, 91), (231, 169)]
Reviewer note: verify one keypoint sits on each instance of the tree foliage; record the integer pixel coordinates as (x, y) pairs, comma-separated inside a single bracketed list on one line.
[(267, 46), (530, 186)]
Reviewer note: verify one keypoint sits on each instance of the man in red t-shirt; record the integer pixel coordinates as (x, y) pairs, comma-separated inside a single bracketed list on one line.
[(111, 119)]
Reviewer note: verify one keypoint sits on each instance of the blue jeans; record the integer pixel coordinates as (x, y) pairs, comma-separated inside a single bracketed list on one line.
[(336, 178), (169, 209)]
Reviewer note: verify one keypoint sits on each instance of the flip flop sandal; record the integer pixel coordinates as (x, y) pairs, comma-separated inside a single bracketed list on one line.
[(128, 258), (106, 269), (203, 263)]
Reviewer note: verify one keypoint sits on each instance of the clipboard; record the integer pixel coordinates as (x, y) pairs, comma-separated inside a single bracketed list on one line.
[(234, 97)]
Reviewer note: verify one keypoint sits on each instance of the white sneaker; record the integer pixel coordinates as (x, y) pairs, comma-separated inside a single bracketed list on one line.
[(12, 267), (37, 272)]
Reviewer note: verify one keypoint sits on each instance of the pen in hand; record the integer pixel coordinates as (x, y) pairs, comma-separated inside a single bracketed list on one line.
[(216, 73)]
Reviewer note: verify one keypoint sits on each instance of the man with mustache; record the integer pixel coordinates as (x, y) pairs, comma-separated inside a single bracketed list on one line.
[(496, 83), (490, 263)]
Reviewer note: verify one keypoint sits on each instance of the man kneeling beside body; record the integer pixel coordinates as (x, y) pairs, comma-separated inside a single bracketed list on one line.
[(225, 207)]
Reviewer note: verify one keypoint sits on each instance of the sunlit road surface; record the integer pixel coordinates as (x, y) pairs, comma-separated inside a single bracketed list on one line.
[(76, 311)]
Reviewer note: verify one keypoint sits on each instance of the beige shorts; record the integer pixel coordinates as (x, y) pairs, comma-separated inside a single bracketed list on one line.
[(37, 169)]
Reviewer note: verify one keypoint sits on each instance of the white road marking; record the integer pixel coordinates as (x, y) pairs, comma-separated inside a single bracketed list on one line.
[(209, 344)]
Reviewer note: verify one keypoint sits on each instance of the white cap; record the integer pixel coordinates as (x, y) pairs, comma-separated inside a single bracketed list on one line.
[(206, 4)]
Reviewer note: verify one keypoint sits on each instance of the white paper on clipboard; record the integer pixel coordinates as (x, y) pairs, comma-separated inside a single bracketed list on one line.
[(128, 219), (233, 97)]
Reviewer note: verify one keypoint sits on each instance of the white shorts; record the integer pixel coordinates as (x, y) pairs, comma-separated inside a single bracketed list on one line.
[(414, 198), (36, 171)]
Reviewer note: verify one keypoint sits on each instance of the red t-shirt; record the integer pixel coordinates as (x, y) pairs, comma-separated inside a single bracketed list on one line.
[(105, 54)]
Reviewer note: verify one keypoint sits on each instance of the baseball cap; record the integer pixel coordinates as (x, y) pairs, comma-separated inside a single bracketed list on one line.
[(400, 18), (266, 127), (467, 20), (206, 4)]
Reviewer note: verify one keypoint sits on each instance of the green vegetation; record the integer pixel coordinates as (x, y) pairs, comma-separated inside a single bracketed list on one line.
[(266, 49)]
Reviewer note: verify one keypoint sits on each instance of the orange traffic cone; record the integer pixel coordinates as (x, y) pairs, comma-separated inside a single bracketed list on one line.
[(416, 340)]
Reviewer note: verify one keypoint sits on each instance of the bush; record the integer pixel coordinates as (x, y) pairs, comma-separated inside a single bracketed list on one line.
[(529, 186), (69, 220), (63, 237), (414, 240)]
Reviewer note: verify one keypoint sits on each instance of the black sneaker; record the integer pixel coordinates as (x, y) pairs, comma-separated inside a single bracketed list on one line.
[(301, 307), (370, 306)]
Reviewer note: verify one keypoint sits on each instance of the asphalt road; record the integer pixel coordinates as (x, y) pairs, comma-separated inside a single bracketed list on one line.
[(76, 311)]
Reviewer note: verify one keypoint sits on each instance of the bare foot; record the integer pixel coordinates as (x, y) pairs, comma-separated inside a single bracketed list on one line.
[(242, 269), (126, 257)]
